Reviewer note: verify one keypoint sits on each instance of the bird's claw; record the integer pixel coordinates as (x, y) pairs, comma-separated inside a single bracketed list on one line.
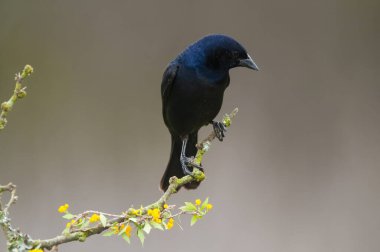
[(187, 162), (219, 130)]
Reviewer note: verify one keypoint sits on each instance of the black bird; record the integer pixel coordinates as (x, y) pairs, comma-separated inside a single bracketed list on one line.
[(192, 91)]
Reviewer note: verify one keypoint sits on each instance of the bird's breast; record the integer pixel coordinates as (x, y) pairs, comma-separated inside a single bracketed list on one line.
[(194, 101)]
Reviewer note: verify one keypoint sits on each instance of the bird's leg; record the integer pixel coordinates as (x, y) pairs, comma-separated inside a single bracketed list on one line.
[(186, 161), (219, 129)]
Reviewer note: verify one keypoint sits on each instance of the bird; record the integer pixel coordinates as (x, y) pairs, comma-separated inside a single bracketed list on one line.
[(192, 90)]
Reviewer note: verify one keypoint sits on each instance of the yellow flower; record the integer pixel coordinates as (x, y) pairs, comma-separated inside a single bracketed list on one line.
[(94, 218), (156, 214), (121, 227), (198, 202), (128, 231), (166, 206), (170, 223), (116, 229), (63, 208), (136, 212), (209, 206), (69, 224), (36, 250)]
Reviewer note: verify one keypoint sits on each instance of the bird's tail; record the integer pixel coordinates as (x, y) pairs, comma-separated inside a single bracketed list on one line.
[(174, 166)]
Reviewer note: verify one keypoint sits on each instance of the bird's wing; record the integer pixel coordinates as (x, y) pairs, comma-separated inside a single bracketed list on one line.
[(168, 80)]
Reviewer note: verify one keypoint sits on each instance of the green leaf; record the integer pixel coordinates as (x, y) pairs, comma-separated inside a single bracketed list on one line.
[(126, 238), (85, 224), (79, 223), (194, 219), (141, 236), (147, 227), (165, 215), (68, 216), (103, 220), (189, 207), (133, 220), (66, 230), (108, 233), (204, 204), (157, 225)]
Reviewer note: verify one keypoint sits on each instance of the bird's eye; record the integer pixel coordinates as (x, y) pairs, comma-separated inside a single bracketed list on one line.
[(225, 54), (235, 54)]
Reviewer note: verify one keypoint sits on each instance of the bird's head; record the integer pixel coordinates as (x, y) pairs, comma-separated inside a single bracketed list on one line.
[(223, 53)]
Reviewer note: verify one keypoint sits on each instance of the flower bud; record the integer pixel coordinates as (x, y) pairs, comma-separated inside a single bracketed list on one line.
[(28, 70), (5, 106), (21, 94)]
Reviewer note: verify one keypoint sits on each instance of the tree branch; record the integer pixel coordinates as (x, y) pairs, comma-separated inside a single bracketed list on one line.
[(18, 93), (157, 214), (174, 184)]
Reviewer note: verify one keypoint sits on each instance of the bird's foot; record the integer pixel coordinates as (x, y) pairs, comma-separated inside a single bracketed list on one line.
[(219, 130), (187, 162)]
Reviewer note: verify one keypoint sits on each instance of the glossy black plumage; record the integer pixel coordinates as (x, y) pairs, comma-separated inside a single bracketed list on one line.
[(192, 92)]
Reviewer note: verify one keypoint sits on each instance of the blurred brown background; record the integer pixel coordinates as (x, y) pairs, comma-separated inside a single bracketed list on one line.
[(299, 170)]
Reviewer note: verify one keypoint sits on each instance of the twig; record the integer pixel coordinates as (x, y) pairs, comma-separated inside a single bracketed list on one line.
[(81, 235), (18, 93), (8, 188), (13, 235), (205, 145)]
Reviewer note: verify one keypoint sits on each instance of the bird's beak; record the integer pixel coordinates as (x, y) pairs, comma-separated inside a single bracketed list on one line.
[(249, 63)]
